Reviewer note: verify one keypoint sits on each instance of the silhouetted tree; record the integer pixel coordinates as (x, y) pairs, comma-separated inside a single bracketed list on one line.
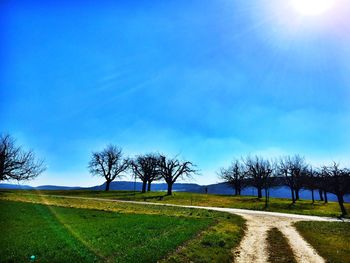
[(310, 182), (146, 167), (267, 170), (298, 169), (338, 183), (293, 169), (320, 192), (259, 171), (284, 170), (156, 175), (321, 183), (17, 164), (108, 163), (172, 169), (234, 176)]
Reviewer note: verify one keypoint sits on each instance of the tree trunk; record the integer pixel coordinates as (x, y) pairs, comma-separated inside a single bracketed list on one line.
[(312, 196), (341, 204), (293, 198), (325, 197), (149, 186), (170, 189), (259, 192), (266, 197), (297, 194), (236, 191), (107, 185), (144, 184), (320, 192)]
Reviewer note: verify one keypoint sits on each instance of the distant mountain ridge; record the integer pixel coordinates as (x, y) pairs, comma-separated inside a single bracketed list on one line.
[(41, 187), (219, 188)]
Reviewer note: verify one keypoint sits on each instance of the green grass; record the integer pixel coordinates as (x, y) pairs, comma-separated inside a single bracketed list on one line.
[(94, 231), (212, 245), (245, 202), (330, 239), (59, 234), (278, 248)]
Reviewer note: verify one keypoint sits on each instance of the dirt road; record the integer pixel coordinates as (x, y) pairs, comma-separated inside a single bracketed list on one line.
[(253, 247)]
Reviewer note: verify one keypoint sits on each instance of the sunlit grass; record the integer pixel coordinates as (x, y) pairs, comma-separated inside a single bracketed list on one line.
[(91, 230), (285, 205), (59, 234), (330, 239)]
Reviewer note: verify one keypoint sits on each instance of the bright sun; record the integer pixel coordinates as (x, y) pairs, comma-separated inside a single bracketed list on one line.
[(312, 7)]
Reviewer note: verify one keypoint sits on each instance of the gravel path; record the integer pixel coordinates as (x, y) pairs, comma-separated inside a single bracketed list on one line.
[(253, 245)]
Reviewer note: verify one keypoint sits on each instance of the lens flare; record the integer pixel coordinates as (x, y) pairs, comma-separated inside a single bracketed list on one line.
[(312, 7)]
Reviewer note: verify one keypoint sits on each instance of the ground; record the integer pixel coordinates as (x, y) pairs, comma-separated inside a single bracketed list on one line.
[(278, 247), (219, 239), (60, 229), (284, 205), (331, 239)]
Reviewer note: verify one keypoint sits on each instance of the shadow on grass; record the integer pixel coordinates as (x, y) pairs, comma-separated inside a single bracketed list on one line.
[(155, 197)]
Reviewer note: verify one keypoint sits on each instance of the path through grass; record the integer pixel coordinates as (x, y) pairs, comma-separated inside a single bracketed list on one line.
[(304, 207)]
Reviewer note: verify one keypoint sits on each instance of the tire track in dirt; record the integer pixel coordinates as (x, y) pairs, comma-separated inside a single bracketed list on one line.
[(253, 247)]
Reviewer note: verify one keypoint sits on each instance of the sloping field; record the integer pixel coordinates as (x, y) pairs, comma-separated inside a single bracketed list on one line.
[(303, 207), (87, 231)]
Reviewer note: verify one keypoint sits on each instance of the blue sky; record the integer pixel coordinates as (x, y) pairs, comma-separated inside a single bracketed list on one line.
[(208, 80)]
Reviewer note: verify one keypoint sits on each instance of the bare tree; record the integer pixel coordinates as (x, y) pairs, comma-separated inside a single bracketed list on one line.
[(108, 163), (298, 169), (268, 175), (322, 182), (260, 172), (284, 170), (293, 169), (338, 183), (146, 167), (172, 169), (310, 182), (234, 176), (320, 192), (17, 164), (254, 173), (156, 174)]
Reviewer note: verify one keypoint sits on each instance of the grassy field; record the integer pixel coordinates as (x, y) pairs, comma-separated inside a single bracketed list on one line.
[(60, 230), (246, 202), (278, 247), (330, 239)]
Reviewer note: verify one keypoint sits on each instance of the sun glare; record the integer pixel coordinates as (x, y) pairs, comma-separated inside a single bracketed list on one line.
[(312, 7)]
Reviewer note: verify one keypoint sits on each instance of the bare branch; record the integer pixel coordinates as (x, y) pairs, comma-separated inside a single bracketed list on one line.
[(17, 164)]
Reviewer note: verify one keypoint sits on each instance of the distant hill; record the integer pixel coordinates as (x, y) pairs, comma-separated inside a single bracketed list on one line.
[(15, 186), (127, 185), (55, 187), (219, 188), (41, 187)]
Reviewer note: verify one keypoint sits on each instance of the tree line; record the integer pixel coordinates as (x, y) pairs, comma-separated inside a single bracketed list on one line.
[(291, 171), (110, 164), (258, 172), (19, 164)]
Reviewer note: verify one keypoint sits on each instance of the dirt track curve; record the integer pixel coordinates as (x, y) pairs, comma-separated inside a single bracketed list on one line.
[(253, 246)]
